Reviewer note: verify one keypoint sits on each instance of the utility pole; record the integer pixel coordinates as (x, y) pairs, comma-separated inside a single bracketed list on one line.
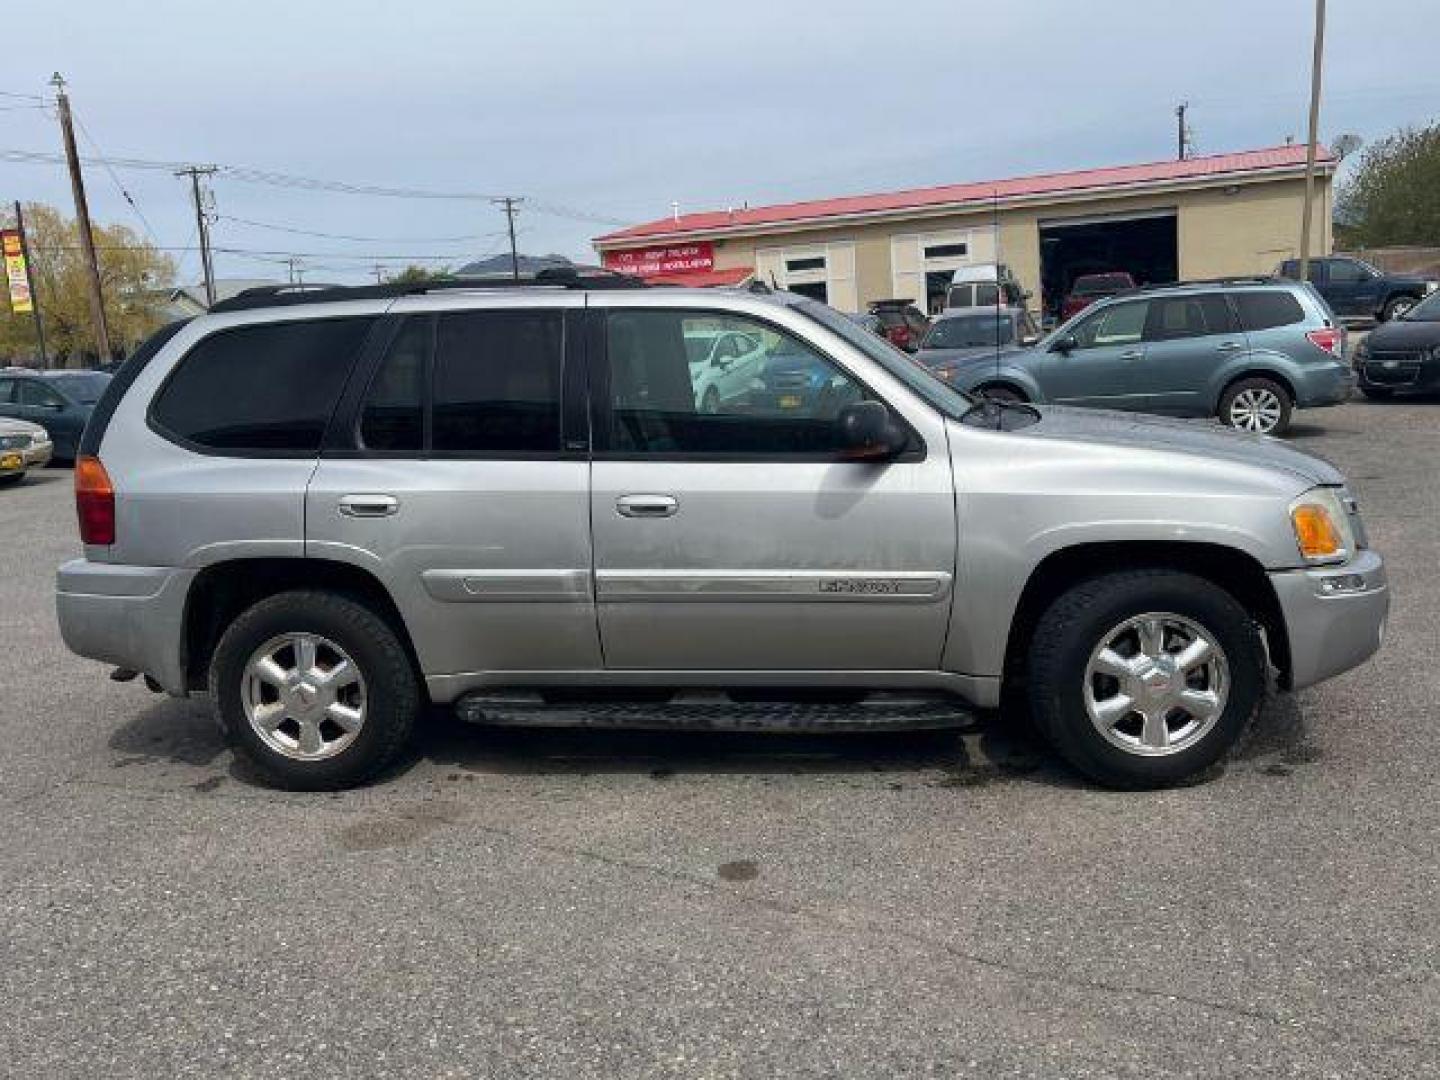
[(30, 280), (379, 274), (1182, 134), (202, 227), (82, 220), (510, 203), (1308, 211)]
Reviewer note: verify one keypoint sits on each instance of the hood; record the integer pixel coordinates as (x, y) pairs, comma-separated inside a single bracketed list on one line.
[(1404, 334), (1193, 437), (19, 427)]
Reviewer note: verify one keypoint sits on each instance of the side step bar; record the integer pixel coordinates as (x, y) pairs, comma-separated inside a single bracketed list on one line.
[(717, 712)]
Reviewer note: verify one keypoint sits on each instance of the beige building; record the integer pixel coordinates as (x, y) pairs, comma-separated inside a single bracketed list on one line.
[(1223, 215)]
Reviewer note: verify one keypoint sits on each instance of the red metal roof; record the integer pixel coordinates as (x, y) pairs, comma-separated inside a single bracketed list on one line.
[(1250, 161)]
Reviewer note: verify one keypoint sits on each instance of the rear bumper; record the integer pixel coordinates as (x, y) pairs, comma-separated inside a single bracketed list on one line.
[(39, 456), (1332, 631), (129, 616), (1329, 384)]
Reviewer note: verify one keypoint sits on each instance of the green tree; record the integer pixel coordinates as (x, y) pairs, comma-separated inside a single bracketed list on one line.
[(133, 280), (418, 275), (1393, 196)]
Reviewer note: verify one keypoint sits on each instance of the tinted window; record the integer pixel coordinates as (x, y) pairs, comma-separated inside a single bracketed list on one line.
[(1260, 310), (84, 386), (1117, 325), (1345, 272), (7, 391), (393, 416), (987, 295), (34, 392), (779, 399), (1187, 316), (268, 388), (497, 383), (971, 331)]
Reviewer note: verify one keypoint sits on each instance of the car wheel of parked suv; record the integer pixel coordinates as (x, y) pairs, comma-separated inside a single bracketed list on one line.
[(1258, 404), (1143, 678), (1398, 306), (315, 690)]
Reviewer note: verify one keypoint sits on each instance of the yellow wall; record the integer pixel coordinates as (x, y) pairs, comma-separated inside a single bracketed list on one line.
[(1246, 232)]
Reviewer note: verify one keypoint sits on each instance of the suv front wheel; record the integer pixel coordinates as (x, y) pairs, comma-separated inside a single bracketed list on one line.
[(1144, 678), (315, 690), (1257, 404)]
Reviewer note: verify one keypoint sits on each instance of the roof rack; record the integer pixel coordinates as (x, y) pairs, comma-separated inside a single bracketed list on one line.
[(1248, 279), (555, 277)]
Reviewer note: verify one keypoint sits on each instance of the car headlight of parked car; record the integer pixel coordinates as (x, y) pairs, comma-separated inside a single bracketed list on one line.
[(1322, 526)]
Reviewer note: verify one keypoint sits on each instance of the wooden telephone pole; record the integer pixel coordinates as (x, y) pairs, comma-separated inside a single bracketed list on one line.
[(1309, 209), (82, 219)]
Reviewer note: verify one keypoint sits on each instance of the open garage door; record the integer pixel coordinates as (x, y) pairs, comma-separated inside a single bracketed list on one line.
[(1144, 244)]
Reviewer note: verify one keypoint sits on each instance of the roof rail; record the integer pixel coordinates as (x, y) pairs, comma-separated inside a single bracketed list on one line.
[(1248, 279), (555, 277)]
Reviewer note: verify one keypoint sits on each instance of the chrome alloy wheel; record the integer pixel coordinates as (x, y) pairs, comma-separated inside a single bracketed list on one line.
[(303, 696), (1255, 409), (1156, 684)]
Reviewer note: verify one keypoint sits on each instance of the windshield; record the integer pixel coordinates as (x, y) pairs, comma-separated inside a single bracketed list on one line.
[(1096, 283), (85, 387), (1428, 310), (971, 331), (941, 395)]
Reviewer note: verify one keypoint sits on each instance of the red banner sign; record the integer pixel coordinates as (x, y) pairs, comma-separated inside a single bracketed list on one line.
[(676, 259)]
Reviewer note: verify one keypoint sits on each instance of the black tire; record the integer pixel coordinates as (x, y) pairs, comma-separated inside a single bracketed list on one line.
[(1397, 305), (1002, 393), (1073, 627), (393, 698), (1377, 393), (1261, 384), (12, 478)]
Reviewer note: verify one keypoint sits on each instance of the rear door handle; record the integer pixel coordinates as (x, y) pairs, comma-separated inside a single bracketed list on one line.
[(1230, 346), (647, 506), (369, 506)]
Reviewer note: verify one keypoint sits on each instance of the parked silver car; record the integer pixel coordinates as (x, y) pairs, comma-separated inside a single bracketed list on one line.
[(23, 446), (329, 508), (1249, 351)]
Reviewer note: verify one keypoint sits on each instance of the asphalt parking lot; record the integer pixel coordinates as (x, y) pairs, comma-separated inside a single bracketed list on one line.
[(622, 904)]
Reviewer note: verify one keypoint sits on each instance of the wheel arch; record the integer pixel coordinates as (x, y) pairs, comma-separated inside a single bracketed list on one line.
[(1229, 568), (1253, 371), (1005, 383), (222, 590)]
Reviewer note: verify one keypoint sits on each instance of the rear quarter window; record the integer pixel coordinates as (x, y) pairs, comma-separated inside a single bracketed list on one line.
[(267, 389), (1266, 309)]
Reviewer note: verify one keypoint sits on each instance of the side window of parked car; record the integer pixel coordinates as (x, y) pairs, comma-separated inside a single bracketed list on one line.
[(1172, 318), (7, 391), (497, 383), (266, 389), (392, 419), (655, 403), (1347, 272), (35, 393), (1119, 324), (1263, 309)]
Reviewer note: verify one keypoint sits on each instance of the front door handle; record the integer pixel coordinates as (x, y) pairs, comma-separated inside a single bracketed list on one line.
[(369, 506), (1230, 346), (647, 506), (1132, 354)]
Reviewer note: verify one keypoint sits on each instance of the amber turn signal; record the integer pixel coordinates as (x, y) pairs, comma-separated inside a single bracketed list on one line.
[(1316, 532)]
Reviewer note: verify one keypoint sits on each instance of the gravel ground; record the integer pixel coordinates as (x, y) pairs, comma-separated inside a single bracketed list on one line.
[(583, 904)]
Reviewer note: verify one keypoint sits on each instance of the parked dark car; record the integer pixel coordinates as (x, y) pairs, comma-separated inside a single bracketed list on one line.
[(961, 335), (868, 321), (794, 381), (1357, 292), (1087, 288), (59, 401), (1403, 355), (904, 323)]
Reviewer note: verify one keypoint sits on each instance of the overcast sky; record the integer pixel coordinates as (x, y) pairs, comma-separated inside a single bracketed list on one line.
[(614, 110)]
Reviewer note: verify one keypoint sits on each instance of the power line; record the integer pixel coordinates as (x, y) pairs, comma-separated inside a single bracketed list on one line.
[(13, 94), (362, 239), (145, 223)]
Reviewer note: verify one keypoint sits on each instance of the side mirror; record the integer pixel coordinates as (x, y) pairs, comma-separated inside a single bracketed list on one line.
[(1065, 344), (869, 432)]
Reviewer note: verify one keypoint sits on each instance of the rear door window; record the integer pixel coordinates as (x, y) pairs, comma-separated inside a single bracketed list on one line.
[(496, 386), (1176, 317), (392, 419), (35, 393), (268, 389), (1264, 309)]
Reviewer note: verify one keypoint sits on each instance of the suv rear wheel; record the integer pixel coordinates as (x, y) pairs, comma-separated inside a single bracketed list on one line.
[(1257, 404), (315, 690), (1397, 306), (1143, 678)]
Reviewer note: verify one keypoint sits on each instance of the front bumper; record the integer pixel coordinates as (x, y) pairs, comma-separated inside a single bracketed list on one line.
[(129, 616), (1331, 632)]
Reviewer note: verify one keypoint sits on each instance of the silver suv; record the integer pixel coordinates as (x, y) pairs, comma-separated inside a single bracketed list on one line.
[(329, 508)]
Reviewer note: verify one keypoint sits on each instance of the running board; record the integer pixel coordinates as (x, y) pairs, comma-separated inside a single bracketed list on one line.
[(717, 712)]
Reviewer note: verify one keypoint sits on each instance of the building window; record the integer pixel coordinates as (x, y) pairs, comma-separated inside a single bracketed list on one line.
[(947, 251), (796, 266)]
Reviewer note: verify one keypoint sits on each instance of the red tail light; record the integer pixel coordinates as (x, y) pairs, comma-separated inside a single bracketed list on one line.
[(94, 502), (1330, 339), (899, 335)]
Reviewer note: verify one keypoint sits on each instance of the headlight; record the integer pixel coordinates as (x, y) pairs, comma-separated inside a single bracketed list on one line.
[(1322, 527)]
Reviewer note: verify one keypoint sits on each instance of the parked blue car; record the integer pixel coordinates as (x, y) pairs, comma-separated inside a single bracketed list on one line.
[(1248, 351), (59, 401)]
